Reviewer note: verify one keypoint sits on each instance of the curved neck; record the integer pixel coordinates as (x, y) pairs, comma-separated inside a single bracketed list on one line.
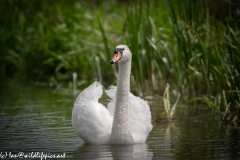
[(123, 83), (121, 127)]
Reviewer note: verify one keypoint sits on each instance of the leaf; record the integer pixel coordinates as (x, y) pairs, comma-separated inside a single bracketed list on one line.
[(210, 103), (173, 110), (166, 101)]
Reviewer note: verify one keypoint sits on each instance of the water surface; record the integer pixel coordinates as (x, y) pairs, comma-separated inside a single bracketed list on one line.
[(38, 119)]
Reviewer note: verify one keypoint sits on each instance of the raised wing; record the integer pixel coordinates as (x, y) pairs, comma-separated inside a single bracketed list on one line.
[(90, 119)]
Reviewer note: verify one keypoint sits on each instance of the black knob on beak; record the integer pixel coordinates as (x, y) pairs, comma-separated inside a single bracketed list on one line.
[(115, 51)]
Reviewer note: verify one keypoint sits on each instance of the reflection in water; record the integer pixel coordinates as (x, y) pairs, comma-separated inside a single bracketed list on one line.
[(33, 119), (136, 151), (233, 141)]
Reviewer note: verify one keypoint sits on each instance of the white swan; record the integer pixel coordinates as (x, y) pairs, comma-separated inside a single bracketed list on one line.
[(126, 120)]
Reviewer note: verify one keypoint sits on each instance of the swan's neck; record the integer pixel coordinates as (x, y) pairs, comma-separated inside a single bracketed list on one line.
[(121, 127)]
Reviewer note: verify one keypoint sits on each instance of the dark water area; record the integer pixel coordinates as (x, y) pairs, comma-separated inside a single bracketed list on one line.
[(38, 119)]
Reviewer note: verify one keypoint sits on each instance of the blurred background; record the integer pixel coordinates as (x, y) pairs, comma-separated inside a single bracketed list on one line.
[(192, 45), (50, 50)]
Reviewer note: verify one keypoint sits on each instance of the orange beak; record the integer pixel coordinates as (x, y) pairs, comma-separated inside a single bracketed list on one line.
[(116, 57)]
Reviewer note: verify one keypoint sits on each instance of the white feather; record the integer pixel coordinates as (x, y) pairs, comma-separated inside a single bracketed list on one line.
[(126, 120)]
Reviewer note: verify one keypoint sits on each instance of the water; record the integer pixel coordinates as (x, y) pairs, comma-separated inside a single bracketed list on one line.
[(38, 119)]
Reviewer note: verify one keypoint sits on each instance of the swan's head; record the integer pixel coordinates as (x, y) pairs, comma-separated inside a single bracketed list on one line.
[(121, 54)]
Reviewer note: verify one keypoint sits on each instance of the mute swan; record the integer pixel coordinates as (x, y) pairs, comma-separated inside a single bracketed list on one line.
[(126, 120)]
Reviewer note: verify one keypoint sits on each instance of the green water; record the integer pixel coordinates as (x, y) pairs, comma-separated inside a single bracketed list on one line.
[(38, 119)]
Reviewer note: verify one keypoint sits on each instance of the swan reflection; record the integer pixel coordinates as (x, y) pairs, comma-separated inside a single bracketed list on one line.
[(135, 151)]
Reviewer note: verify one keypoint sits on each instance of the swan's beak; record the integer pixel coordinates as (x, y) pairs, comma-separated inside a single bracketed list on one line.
[(116, 57)]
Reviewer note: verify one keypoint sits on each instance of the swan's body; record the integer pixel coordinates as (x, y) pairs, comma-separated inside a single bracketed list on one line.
[(126, 120)]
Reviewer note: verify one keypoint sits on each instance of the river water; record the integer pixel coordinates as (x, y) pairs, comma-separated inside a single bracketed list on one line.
[(37, 120)]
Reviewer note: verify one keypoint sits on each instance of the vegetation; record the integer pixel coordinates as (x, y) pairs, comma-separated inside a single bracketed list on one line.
[(193, 46), (170, 111)]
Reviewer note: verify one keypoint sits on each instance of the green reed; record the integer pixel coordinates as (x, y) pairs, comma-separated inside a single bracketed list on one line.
[(173, 42), (203, 59)]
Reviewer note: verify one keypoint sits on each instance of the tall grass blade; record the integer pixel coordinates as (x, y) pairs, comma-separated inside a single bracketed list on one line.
[(173, 110)]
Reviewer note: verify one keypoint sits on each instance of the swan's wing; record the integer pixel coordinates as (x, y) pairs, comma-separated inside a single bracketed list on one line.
[(140, 118), (139, 115), (111, 92), (91, 120)]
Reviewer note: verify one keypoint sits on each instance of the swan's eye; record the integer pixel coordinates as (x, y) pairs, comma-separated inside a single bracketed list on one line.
[(118, 50)]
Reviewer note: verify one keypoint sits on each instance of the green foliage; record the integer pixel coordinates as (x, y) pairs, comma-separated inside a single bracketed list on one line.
[(177, 42), (166, 102), (207, 52)]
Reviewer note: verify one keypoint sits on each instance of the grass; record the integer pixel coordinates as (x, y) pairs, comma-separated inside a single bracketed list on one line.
[(170, 111), (182, 44)]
